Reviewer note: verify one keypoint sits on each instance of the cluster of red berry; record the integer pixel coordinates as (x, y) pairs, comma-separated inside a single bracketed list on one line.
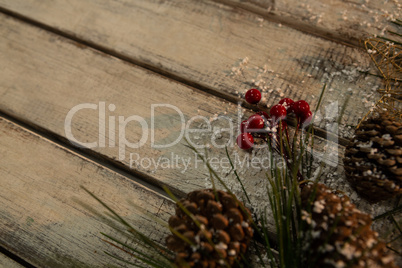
[(262, 125)]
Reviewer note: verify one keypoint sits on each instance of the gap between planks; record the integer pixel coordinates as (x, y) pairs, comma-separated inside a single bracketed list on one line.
[(48, 220), (91, 156), (169, 75), (10, 260), (297, 25), (350, 21)]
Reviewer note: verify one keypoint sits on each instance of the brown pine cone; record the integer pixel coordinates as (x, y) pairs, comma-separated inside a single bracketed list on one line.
[(338, 234), (373, 158), (221, 238)]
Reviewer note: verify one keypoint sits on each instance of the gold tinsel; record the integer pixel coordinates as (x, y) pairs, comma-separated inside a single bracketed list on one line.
[(387, 56)]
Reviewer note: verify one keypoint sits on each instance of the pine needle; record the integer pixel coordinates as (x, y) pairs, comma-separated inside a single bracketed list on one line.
[(388, 213), (237, 176)]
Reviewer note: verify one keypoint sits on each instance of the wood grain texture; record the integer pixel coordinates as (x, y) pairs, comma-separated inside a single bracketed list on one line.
[(6, 262), (347, 21), (43, 76), (215, 47), (43, 218)]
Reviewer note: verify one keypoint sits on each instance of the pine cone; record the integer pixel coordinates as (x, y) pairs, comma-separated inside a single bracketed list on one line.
[(373, 159), (222, 237), (338, 234)]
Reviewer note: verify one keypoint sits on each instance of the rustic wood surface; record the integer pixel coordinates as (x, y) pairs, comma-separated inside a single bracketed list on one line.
[(197, 56), (44, 100), (44, 218), (340, 20), (217, 48), (86, 76)]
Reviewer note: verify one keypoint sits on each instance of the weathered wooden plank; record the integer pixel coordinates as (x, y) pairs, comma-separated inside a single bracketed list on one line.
[(346, 21), (43, 220), (43, 77), (215, 47), (42, 82), (6, 262)]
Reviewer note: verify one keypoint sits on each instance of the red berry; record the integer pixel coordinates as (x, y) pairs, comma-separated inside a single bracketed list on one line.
[(305, 119), (278, 111), (255, 122), (243, 126), (288, 103), (253, 96), (245, 141), (301, 108), (263, 114)]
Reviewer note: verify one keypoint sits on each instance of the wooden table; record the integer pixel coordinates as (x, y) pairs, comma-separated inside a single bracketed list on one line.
[(110, 60)]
